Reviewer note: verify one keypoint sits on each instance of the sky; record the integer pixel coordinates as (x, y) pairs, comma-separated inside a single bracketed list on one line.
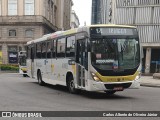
[(83, 11)]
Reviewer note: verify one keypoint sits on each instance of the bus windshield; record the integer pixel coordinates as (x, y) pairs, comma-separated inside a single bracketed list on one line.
[(115, 54)]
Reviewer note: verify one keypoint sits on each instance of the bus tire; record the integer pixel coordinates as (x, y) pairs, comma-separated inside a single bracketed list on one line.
[(24, 75), (40, 81), (71, 86), (110, 92)]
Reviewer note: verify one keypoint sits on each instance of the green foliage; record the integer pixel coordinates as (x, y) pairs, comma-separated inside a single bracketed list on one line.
[(9, 67)]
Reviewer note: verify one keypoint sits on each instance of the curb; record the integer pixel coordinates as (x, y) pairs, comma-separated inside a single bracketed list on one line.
[(150, 85), (9, 71)]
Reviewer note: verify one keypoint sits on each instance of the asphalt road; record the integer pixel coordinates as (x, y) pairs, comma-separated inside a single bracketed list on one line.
[(24, 94)]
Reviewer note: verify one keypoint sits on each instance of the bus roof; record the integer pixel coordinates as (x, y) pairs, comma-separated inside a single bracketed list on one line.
[(111, 25), (75, 30)]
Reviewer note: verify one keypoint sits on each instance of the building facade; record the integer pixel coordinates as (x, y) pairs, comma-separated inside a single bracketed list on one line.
[(25, 20), (74, 20), (106, 11), (145, 14), (63, 14), (101, 11), (96, 12)]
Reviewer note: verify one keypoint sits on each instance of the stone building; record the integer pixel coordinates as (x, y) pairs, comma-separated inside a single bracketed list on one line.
[(63, 16), (74, 20), (25, 20)]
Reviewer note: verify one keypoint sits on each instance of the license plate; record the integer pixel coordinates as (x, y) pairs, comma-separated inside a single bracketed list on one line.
[(118, 88)]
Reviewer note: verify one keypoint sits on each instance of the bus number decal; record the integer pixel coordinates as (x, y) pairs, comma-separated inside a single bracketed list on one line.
[(104, 61)]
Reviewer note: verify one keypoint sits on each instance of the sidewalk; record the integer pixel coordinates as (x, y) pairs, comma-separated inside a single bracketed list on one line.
[(149, 81)]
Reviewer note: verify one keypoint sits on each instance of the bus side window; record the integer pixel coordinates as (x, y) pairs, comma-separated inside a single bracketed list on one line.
[(28, 52), (38, 50), (32, 53), (44, 50), (61, 45), (49, 49), (70, 50), (54, 48)]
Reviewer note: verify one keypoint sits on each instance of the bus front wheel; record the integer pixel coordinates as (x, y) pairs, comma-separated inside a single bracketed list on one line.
[(71, 86), (40, 81)]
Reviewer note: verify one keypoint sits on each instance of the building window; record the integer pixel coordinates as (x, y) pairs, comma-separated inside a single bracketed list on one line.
[(156, 2), (29, 7), (12, 33), (12, 54), (12, 48), (0, 7), (29, 33), (12, 7)]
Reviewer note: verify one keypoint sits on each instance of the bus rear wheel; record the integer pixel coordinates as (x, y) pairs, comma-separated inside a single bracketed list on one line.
[(40, 81), (71, 86), (110, 92)]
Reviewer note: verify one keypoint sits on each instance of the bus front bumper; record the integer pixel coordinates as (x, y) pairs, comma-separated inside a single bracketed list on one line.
[(23, 71), (117, 86)]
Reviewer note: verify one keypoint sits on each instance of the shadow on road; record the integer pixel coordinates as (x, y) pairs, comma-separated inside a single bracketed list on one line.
[(86, 94), (101, 95)]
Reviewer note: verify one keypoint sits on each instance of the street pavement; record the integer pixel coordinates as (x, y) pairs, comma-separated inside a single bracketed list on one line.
[(148, 81), (18, 93)]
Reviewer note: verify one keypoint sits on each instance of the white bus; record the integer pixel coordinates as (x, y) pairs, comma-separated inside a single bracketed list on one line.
[(92, 58), (22, 63)]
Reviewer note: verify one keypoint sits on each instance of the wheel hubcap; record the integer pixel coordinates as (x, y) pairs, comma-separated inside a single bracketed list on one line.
[(72, 85)]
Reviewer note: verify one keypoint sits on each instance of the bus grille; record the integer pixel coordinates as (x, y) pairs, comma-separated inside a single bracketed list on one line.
[(112, 86)]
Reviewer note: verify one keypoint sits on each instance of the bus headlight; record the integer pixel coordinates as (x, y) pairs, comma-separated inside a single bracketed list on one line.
[(138, 76), (95, 77)]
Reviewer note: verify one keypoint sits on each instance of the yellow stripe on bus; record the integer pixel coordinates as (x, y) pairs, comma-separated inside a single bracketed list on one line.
[(52, 68), (74, 69), (117, 78), (69, 32)]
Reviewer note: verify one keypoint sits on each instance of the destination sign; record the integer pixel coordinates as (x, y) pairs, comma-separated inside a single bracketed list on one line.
[(112, 31)]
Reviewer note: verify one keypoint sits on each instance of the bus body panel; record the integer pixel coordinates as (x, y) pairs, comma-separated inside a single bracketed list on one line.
[(29, 67), (53, 72)]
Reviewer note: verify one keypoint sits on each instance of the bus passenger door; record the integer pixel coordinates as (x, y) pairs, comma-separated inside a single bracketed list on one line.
[(82, 60)]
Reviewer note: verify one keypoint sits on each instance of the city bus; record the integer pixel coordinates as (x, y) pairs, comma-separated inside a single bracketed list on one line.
[(22, 63), (92, 58)]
